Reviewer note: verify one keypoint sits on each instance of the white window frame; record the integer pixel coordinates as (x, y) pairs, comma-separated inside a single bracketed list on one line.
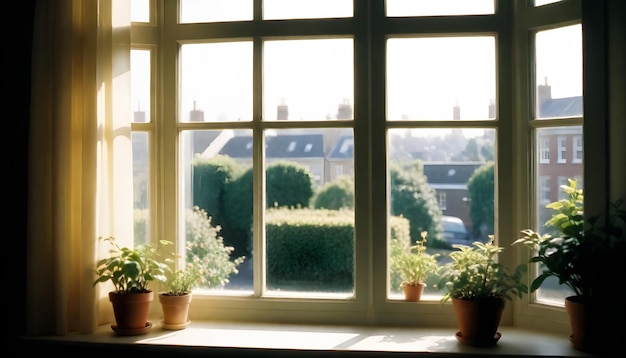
[(369, 306)]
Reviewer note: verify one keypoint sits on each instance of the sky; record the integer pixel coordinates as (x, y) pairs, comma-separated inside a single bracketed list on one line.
[(426, 77)]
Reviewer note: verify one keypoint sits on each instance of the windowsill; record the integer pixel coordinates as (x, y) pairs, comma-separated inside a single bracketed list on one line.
[(234, 338)]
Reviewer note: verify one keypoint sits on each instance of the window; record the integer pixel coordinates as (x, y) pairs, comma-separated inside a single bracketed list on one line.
[(558, 116), (562, 149), (544, 150), (577, 149), (260, 123)]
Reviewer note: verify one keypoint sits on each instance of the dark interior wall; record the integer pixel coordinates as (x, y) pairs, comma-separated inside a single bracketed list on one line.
[(17, 81)]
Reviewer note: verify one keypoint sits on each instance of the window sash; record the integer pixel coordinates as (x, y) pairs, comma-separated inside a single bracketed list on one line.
[(368, 121)]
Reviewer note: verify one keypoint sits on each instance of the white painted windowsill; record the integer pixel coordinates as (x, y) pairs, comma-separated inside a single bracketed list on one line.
[(430, 342)]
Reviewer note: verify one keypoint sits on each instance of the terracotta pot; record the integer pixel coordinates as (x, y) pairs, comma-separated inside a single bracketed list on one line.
[(478, 320), (131, 309), (578, 312), (413, 293), (175, 310)]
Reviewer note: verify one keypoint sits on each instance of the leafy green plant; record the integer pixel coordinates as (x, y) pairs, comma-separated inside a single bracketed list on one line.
[(414, 263), (182, 281), (570, 247), (206, 251), (473, 274), (131, 269)]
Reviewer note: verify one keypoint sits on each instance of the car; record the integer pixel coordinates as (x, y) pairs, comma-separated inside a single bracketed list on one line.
[(455, 231)]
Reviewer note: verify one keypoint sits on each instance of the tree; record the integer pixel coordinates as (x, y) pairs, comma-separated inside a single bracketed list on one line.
[(210, 177), (480, 190), (288, 184), (413, 199)]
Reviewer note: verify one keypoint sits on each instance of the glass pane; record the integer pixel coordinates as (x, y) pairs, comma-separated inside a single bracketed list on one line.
[(438, 7), (141, 184), (306, 9), (545, 2), (215, 10), (560, 158), (559, 72), (217, 204), (140, 85), (442, 182), (216, 82), (310, 212), (308, 79), (140, 10), (444, 78)]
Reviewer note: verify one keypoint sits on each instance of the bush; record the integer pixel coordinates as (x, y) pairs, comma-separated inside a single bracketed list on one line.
[(206, 249), (313, 247), (288, 185), (337, 194)]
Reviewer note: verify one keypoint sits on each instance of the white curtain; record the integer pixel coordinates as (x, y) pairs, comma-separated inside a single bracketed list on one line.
[(79, 159)]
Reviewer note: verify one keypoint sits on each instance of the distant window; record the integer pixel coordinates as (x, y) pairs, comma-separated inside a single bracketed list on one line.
[(577, 151), (544, 150), (562, 143)]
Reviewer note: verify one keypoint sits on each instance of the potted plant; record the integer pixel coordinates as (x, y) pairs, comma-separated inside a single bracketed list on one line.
[(130, 270), (571, 250), (478, 287), (175, 300), (415, 264), (208, 265)]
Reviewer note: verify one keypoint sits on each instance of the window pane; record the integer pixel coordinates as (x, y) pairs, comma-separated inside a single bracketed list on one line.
[(310, 212), (216, 82), (217, 179), (438, 7), (551, 174), (141, 198), (545, 2), (140, 85), (442, 182), (308, 79), (559, 72), (140, 10), (446, 78), (215, 10), (306, 9)]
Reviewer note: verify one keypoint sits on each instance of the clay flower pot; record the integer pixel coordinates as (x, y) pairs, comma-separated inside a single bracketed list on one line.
[(478, 321), (175, 310), (413, 293)]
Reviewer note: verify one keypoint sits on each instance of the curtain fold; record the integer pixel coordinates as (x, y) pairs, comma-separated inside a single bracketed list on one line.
[(78, 131)]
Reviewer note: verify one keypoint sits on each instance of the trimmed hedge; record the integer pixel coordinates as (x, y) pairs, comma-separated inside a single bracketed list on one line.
[(315, 248)]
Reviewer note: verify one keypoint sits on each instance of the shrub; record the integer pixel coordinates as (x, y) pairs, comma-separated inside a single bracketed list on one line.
[(206, 249), (337, 194)]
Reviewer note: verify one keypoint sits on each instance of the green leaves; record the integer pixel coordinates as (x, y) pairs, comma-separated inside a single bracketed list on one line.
[(413, 262), (568, 249), (474, 274), (130, 270)]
